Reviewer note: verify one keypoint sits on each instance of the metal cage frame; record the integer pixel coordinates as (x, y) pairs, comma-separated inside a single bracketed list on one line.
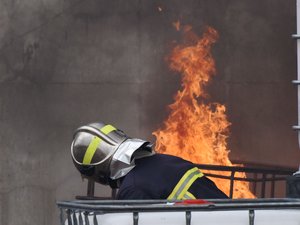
[(77, 212), (256, 176)]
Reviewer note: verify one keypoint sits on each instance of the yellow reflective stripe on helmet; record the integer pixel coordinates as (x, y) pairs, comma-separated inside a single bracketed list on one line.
[(91, 150), (184, 184), (107, 129), (87, 159)]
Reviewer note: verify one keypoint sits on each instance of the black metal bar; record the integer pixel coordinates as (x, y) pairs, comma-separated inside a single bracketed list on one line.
[(251, 217), (62, 219), (273, 186), (254, 183), (231, 183), (80, 218), (91, 188), (69, 217), (95, 219), (213, 205), (74, 218), (164, 201), (116, 202), (188, 217), (86, 218), (114, 193), (263, 185), (135, 218), (245, 179), (281, 171)]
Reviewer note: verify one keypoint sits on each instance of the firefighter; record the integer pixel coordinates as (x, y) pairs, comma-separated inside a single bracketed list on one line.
[(108, 156)]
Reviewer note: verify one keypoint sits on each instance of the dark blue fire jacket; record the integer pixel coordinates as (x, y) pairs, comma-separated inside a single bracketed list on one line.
[(167, 177)]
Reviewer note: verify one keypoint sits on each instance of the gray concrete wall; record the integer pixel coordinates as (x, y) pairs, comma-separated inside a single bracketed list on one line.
[(64, 63)]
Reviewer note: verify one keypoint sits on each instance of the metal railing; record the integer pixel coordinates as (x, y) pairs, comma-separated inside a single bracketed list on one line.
[(90, 211), (257, 177)]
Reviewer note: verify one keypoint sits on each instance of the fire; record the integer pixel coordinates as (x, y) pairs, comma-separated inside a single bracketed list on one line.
[(196, 130)]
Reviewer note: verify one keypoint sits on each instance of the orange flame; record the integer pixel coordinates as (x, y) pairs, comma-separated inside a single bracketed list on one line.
[(195, 130)]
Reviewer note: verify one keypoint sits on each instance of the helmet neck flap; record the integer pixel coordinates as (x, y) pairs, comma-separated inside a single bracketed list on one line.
[(123, 159)]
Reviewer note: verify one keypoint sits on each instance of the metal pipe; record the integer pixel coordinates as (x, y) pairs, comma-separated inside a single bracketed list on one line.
[(114, 193), (251, 217), (74, 218), (254, 183), (80, 220), (135, 218), (297, 82), (91, 188), (273, 186), (69, 217), (188, 217), (263, 185), (246, 179), (231, 184), (62, 218), (282, 171), (95, 219), (86, 219), (213, 205)]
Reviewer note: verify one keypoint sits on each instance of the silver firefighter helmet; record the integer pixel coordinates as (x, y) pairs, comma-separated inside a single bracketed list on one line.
[(104, 153)]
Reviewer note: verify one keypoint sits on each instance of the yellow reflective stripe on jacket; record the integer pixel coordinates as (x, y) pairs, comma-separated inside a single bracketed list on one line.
[(189, 195), (95, 143), (184, 184), (178, 188)]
